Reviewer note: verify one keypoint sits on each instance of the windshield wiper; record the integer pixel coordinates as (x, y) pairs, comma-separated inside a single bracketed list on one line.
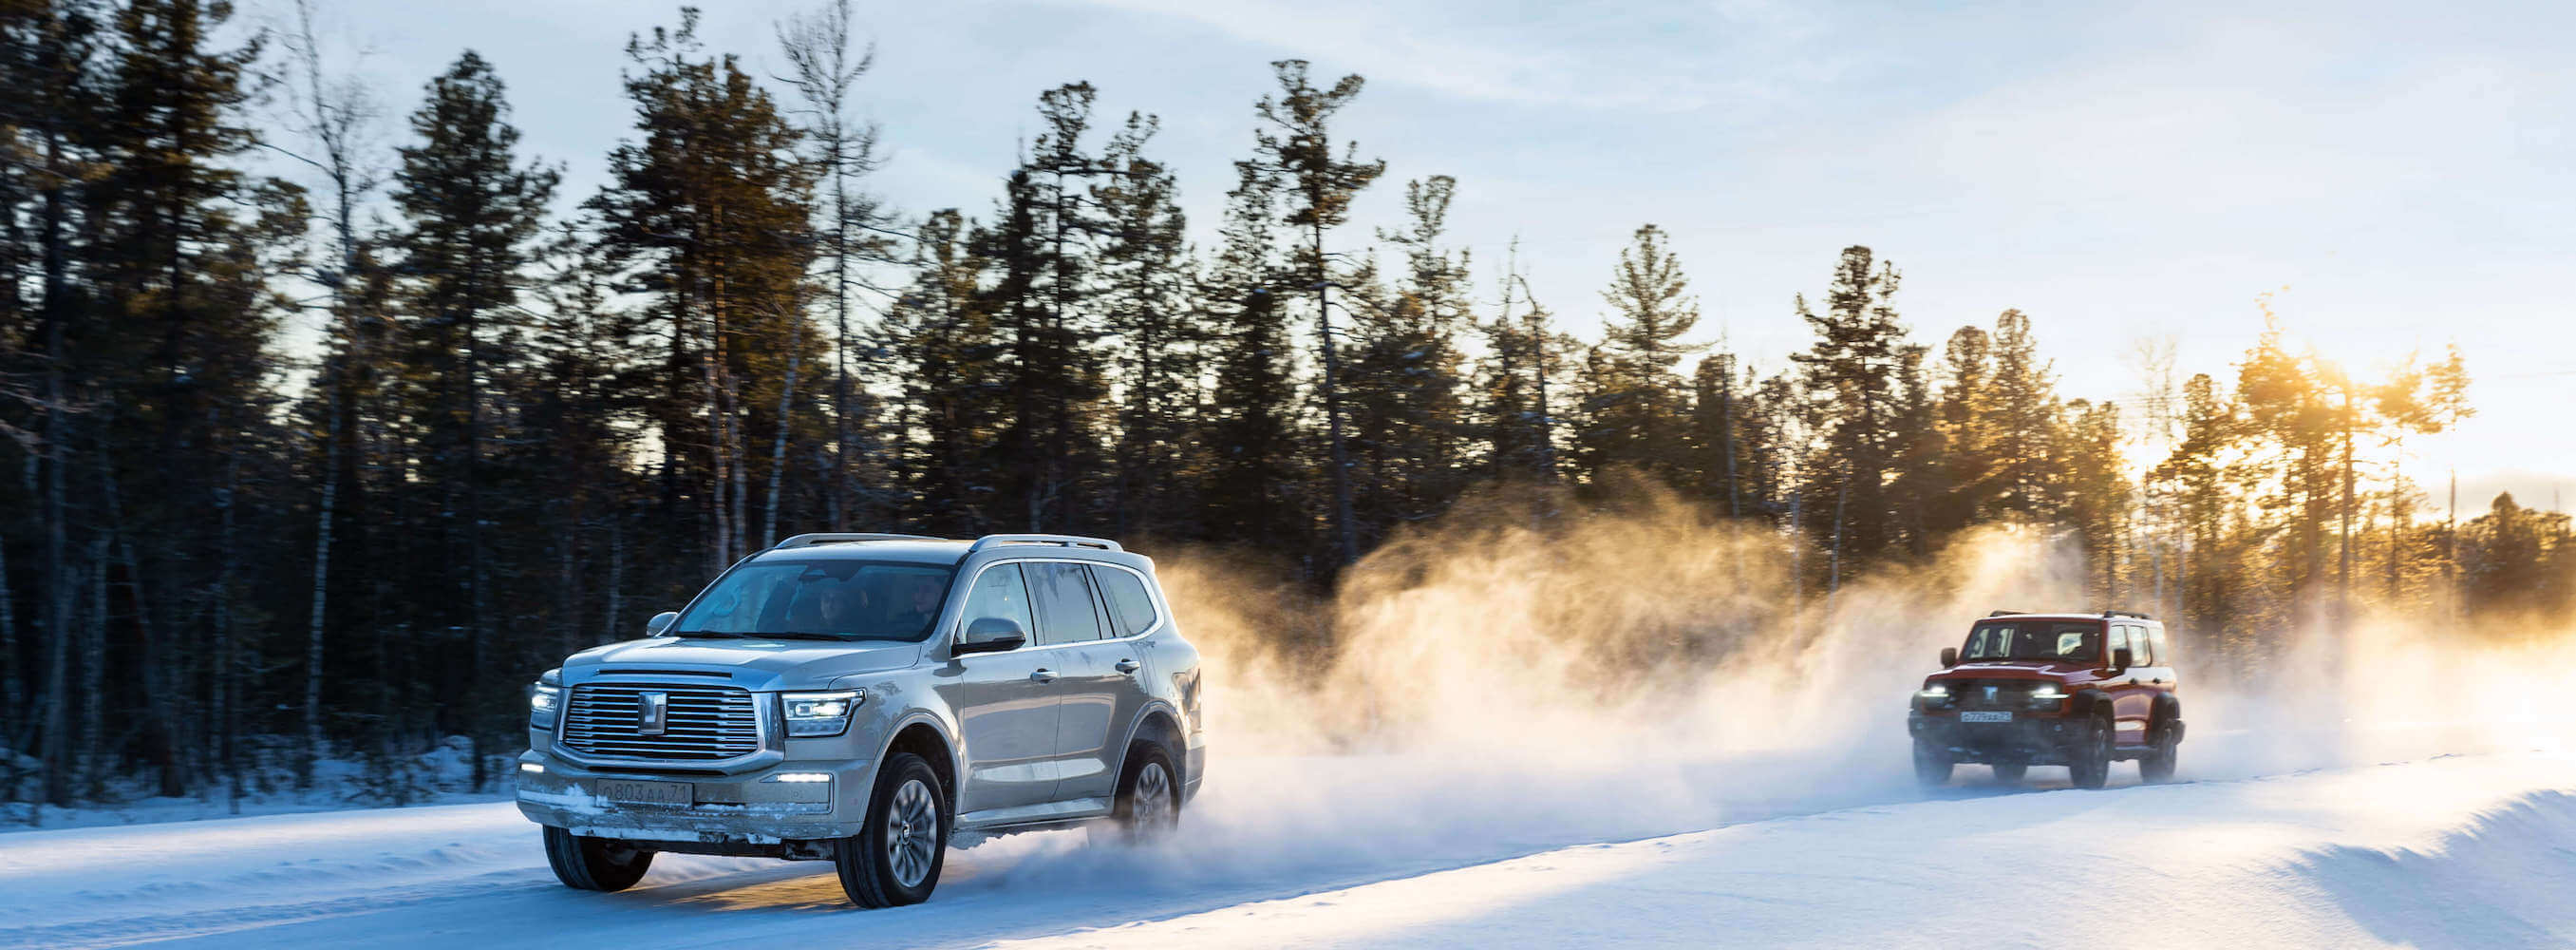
[(802, 635), (706, 634)]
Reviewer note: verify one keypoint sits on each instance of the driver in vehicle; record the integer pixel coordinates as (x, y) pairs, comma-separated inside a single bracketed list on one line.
[(919, 604)]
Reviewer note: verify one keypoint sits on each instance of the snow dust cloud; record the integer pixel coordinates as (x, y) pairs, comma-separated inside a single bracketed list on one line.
[(1530, 672), (1538, 671)]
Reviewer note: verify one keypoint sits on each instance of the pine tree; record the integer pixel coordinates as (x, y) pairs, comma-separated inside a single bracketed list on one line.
[(472, 214), (1058, 379), (1640, 409), (943, 344), (710, 212), (2096, 491), (2193, 476), (1964, 415), (1853, 369), (1405, 369), (2020, 424), (51, 123), (1298, 147), (1144, 299), (1252, 485), (1524, 352), (2296, 430), (181, 246)]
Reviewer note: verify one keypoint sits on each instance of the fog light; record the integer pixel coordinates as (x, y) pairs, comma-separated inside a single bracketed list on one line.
[(800, 777)]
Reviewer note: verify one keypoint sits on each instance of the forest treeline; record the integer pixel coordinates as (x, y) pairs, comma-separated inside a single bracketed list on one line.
[(530, 419)]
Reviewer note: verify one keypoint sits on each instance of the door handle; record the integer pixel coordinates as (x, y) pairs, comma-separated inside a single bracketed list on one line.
[(1043, 676), (1129, 666)]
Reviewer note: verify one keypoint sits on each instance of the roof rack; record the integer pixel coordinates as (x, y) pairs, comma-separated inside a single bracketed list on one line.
[(2007, 613), (809, 540), (2126, 613), (1068, 540)]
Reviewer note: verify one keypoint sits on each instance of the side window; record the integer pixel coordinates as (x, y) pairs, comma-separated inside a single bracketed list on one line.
[(1000, 592), (2138, 643), (2156, 638), (1063, 595), (2120, 641), (1129, 605)]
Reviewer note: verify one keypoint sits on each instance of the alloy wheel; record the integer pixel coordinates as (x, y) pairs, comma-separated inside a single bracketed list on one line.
[(1152, 808), (912, 833)]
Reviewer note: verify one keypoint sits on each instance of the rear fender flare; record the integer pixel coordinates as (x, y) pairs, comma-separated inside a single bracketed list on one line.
[(2166, 709), (1136, 730)]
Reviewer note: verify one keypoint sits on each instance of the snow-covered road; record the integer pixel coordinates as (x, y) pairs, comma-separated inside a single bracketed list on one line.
[(2450, 851)]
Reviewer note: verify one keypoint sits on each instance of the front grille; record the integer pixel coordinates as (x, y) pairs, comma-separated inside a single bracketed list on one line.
[(2009, 694), (701, 723)]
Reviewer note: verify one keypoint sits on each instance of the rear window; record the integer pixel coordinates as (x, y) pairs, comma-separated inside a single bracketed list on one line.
[(1129, 604)]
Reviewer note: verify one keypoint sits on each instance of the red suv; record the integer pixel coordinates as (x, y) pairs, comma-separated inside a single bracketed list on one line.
[(2078, 690)]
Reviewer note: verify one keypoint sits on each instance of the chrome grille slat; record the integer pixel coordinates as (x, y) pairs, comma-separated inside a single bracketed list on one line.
[(701, 722)]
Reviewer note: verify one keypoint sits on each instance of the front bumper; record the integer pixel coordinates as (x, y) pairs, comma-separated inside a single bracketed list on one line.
[(733, 813), (2032, 738)]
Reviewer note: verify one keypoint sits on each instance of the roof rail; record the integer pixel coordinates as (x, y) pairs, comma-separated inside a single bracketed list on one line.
[(809, 540), (2126, 613), (2007, 613), (1068, 540)]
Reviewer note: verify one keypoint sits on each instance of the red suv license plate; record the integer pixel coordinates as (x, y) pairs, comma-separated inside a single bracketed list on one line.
[(1985, 716)]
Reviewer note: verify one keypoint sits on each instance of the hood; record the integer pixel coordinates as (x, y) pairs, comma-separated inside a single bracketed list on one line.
[(2060, 670), (753, 664)]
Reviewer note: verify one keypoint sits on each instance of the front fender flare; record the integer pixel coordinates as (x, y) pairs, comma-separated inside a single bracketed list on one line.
[(940, 727)]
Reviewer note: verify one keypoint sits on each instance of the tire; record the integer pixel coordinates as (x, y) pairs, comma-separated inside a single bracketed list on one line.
[(1932, 764), (895, 858), (2011, 772), (595, 864), (2157, 766), (2089, 763), (1149, 793)]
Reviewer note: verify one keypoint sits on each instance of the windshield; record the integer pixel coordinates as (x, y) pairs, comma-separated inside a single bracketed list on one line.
[(2033, 640), (838, 600)]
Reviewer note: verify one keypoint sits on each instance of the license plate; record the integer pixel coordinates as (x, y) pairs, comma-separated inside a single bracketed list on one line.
[(1982, 716), (648, 793)]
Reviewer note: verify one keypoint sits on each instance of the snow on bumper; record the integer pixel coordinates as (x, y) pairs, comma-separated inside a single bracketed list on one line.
[(727, 810)]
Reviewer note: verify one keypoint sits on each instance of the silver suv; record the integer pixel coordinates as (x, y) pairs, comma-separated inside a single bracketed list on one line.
[(864, 699)]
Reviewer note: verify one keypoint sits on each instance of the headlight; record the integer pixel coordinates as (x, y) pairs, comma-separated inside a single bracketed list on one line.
[(543, 702), (2045, 695), (820, 714), (1933, 695)]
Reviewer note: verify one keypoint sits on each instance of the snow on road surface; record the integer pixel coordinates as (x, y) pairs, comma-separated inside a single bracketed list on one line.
[(2447, 853), (2451, 851)]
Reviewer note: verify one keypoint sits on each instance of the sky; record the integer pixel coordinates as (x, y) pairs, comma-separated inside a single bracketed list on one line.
[(2396, 176)]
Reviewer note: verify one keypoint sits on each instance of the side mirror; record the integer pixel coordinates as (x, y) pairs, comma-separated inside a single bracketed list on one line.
[(1949, 657), (2120, 660), (991, 635), (661, 622)]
